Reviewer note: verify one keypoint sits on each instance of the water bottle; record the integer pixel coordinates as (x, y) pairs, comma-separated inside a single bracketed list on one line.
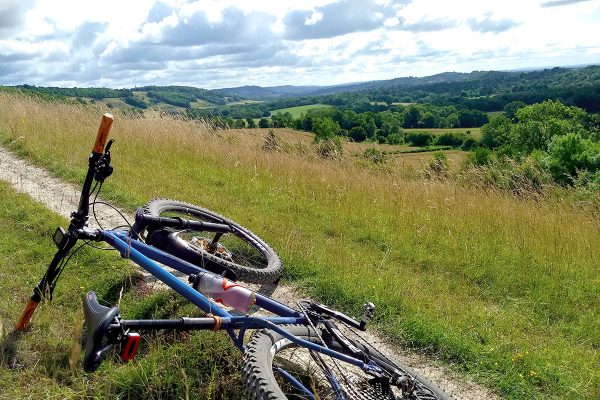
[(224, 291)]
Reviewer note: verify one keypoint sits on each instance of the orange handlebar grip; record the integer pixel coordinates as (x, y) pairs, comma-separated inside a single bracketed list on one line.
[(26, 315), (107, 120)]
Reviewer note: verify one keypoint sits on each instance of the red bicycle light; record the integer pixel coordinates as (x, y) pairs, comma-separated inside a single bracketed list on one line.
[(130, 347)]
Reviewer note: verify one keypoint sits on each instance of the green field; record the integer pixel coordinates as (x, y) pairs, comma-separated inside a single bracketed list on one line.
[(504, 289), (299, 110)]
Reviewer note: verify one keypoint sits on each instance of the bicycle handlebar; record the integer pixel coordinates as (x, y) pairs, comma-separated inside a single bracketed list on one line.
[(102, 135)]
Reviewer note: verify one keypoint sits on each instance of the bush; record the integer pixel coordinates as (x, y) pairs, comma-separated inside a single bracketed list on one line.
[(374, 155), (497, 132), (395, 138), (264, 123), (358, 133), (453, 139), (570, 154), (438, 165), (480, 156), (325, 129), (420, 139), (272, 142), (469, 144), (135, 102), (329, 148), (522, 179)]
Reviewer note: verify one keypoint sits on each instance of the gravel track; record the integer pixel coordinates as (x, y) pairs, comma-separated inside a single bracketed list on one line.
[(63, 198)]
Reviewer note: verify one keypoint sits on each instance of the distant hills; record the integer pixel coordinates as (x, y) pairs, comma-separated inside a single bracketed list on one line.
[(481, 90)]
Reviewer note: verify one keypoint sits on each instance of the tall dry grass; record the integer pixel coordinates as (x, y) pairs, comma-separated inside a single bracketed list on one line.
[(508, 289)]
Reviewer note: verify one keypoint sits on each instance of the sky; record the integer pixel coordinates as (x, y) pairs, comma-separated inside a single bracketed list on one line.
[(226, 43)]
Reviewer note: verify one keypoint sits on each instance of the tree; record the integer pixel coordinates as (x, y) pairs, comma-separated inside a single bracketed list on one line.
[(571, 153), (452, 121), (411, 117), (325, 128), (282, 120), (264, 123), (539, 123), (511, 108), (358, 133), (239, 124), (250, 123), (371, 128), (497, 132)]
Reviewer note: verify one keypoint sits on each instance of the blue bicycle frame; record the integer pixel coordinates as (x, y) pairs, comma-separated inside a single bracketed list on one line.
[(148, 258)]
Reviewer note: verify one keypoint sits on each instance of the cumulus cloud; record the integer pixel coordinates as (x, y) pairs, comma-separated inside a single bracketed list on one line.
[(556, 3), (214, 43), (234, 26), (490, 24), (428, 25), (335, 19), (12, 15)]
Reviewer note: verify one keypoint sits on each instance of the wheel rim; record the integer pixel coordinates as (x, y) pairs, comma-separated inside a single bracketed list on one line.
[(298, 362), (234, 248)]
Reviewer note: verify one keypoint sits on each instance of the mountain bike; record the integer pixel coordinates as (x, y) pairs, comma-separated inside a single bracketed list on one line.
[(308, 352)]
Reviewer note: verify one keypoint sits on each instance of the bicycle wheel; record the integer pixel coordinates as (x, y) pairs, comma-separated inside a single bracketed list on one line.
[(269, 353), (243, 252)]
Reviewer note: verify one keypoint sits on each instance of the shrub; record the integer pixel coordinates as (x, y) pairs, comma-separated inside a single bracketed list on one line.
[(395, 138), (329, 148), (480, 156), (497, 132), (135, 102), (420, 139), (523, 178), (453, 139), (325, 129), (469, 144), (272, 142), (358, 133), (374, 155), (264, 123), (570, 154), (438, 165)]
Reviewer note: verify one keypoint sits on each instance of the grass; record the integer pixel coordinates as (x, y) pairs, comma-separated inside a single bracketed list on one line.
[(299, 110), (37, 363), (504, 289)]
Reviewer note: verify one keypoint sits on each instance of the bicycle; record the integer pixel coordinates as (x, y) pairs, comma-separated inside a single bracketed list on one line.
[(311, 352)]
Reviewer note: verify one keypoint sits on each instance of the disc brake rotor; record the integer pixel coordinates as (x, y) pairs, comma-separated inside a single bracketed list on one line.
[(205, 245)]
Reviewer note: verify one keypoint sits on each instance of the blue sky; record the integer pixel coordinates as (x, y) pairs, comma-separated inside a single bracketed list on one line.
[(211, 44)]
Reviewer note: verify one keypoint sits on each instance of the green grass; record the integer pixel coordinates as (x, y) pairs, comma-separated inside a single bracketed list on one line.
[(506, 290), (299, 110), (35, 364)]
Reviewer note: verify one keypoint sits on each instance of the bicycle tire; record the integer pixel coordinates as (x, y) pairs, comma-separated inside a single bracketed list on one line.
[(243, 252), (268, 348)]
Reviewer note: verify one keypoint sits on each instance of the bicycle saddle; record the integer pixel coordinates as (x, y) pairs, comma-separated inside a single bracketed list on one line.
[(98, 341)]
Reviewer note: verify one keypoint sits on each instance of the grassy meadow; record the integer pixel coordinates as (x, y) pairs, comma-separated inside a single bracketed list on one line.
[(504, 289), (42, 363), (299, 110)]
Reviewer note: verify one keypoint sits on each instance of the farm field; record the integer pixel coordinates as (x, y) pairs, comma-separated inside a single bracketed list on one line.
[(297, 111), (502, 288)]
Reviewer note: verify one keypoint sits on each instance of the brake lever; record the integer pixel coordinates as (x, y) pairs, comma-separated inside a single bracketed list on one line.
[(103, 167)]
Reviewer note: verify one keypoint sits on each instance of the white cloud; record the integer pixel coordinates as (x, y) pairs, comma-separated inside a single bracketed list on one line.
[(215, 43)]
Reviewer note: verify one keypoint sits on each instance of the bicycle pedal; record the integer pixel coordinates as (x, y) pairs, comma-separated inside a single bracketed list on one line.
[(130, 346)]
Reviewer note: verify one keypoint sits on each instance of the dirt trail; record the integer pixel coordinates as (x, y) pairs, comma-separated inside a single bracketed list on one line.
[(63, 198)]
